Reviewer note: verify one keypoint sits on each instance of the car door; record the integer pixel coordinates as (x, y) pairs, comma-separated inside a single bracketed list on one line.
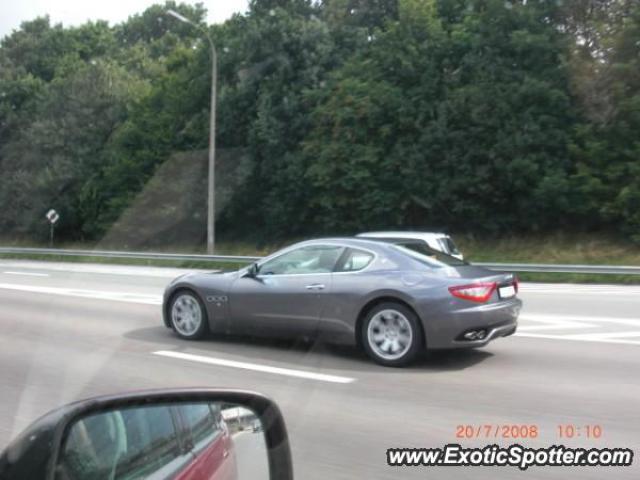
[(287, 294), (349, 286)]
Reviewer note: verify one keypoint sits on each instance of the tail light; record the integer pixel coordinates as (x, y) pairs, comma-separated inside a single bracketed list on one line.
[(516, 283), (475, 292)]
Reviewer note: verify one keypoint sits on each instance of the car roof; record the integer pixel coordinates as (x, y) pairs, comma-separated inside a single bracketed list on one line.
[(346, 241), (376, 246), (410, 235)]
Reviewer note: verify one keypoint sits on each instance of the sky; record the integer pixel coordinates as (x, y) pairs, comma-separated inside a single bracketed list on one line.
[(76, 12)]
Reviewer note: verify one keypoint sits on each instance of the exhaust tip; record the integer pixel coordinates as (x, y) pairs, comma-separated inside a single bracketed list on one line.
[(474, 335)]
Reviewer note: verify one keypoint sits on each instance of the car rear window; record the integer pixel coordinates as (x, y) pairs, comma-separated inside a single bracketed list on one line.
[(428, 256)]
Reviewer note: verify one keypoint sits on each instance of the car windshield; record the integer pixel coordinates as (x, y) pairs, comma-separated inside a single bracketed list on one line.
[(413, 224)]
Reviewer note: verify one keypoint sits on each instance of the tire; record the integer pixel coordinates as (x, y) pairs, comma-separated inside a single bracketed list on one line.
[(391, 334), (187, 315)]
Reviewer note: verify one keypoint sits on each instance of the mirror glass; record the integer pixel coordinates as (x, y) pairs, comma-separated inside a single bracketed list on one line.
[(179, 440)]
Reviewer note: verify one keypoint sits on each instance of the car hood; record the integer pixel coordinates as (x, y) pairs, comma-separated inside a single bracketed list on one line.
[(216, 279)]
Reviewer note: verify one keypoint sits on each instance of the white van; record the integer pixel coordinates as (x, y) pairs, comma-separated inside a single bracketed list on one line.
[(437, 241)]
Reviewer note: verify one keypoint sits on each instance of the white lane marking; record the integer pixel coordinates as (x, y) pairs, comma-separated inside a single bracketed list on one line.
[(603, 335), (128, 270), (614, 293), (255, 367), (550, 318), (97, 294), (558, 322), (579, 289), (565, 337), (549, 324), (157, 300), (32, 274)]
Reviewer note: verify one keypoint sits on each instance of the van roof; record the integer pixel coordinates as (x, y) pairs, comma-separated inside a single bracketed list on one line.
[(410, 235)]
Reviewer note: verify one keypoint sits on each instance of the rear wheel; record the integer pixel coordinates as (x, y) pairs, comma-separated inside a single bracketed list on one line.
[(391, 335), (188, 315)]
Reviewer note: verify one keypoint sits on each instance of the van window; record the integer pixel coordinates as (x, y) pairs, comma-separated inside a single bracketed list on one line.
[(450, 246)]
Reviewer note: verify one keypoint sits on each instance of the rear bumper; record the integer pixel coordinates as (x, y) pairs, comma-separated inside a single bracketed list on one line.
[(492, 333), (496, 320)]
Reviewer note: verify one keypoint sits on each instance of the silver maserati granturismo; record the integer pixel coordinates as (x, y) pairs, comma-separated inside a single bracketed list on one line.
[(391, 299)]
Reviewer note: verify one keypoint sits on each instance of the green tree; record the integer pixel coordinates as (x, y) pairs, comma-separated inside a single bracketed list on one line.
[(608, 148), (463, 124), (479, 115), (53, 158), (276, 57)]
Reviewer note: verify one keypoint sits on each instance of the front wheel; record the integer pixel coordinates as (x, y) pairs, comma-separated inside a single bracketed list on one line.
[(188, 315), (391, 334)]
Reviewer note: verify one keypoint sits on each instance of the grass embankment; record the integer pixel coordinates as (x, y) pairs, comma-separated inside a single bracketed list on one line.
[(557, 249), (553, 249)]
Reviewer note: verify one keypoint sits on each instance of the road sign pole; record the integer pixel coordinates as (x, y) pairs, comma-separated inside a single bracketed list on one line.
[(52, 216)]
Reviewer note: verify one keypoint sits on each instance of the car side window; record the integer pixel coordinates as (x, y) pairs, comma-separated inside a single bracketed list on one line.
[(200, 422), (355, 260), (305, 260)]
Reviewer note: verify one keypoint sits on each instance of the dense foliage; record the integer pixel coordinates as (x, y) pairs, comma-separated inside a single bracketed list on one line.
[(485, 116)]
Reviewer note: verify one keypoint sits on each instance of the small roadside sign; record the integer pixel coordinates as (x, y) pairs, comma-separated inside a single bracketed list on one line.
[(52, 216)]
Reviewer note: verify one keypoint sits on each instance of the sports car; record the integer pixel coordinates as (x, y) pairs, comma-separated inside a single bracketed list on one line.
[(394, 301)]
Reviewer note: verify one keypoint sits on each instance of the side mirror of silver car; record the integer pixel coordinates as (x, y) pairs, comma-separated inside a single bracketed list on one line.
[(252, 271), (162, 434)]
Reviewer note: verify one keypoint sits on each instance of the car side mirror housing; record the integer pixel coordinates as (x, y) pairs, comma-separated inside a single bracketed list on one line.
[(169, 433), (252, 271)]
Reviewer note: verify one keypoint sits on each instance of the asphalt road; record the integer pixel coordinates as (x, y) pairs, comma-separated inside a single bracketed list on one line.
[(251, 456), (68, 332)]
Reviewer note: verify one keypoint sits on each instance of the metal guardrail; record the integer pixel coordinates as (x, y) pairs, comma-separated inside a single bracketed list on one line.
[(136, 255), (561, 268), (507, 267)]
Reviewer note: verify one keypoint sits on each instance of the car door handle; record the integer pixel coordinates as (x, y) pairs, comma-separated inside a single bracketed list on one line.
[(315, 286)]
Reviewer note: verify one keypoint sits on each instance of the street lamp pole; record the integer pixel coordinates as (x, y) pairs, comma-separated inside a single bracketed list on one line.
[(211, 226)]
